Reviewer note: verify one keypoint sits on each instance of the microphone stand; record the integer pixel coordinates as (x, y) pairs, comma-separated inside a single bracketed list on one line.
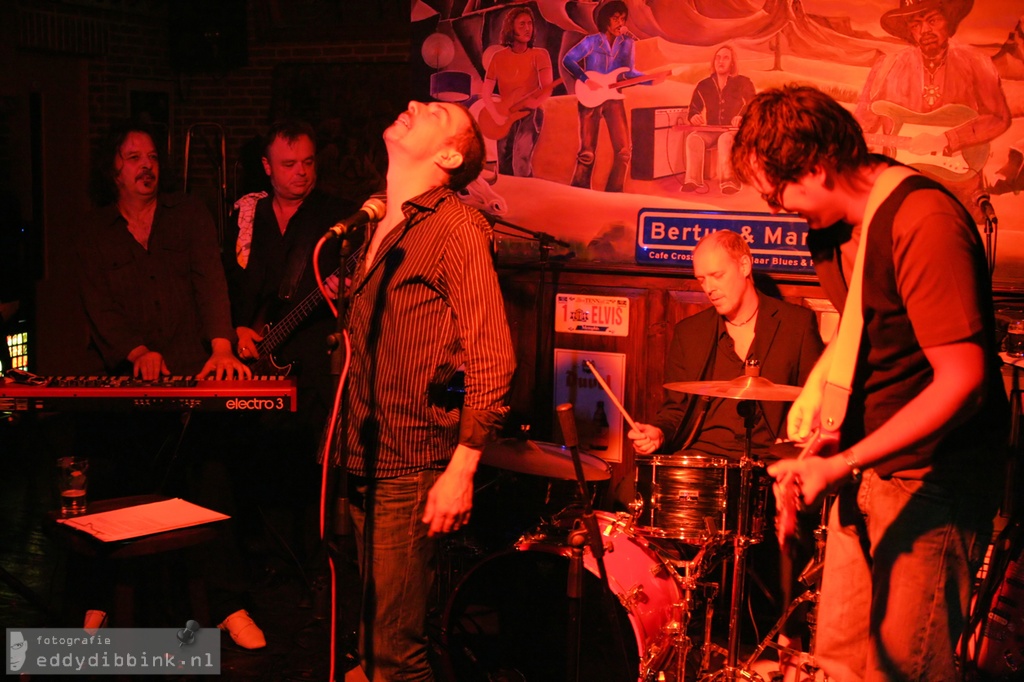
[(991, 225), (591, 536), (336, 346), (983, 202), (339, 482), (546, 240), (543, 349)]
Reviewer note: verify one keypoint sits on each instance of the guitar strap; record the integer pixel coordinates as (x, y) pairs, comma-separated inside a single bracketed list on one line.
[(839, 383)]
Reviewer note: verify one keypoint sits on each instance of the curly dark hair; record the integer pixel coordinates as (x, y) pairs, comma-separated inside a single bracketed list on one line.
[(605, 12), (103, 186), (786, 132), (470, 142)]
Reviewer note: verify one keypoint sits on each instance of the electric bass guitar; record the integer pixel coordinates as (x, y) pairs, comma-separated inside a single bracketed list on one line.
[(906, 124), (274, 335), (611, 88), (787, 500), (513, 111)]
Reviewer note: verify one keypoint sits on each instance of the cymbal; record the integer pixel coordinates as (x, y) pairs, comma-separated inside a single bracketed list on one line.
[(542, 459), (740, 388), (785, 450)]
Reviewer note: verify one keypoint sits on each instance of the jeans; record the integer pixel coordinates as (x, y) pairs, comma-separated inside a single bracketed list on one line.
[(697, 143), (896, 587), (614, 114), (515, 150), (396, 562)]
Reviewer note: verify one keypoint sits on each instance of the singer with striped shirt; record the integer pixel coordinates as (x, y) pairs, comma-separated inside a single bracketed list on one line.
[(424, 302)]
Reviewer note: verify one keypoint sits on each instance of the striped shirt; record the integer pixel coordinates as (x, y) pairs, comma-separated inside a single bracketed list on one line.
[(428, 305)]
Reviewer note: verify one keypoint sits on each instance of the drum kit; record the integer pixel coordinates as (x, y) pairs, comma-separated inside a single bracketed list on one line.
[(510, 617)]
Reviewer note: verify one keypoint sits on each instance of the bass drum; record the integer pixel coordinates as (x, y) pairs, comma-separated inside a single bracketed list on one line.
[(508, 618)]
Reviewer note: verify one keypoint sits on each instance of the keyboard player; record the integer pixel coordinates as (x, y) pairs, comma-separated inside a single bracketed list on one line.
[(155, 296), (152, 282)]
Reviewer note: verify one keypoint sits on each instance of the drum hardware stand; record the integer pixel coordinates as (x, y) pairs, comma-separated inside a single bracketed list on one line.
[(589, 535), (673, 656), (741, 542), (574, 592), (811, 578)]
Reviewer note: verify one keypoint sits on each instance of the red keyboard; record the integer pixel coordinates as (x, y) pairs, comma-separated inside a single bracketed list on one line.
[(54, 394)]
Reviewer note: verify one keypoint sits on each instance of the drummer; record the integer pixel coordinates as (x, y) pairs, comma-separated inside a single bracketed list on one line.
[(742, 324)]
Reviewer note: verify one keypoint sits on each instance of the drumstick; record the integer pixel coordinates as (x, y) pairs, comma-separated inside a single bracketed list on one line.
[(611, 396)]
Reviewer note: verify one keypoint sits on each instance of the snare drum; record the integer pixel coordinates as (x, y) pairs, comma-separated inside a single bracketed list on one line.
[(696, 498), (508, 619)]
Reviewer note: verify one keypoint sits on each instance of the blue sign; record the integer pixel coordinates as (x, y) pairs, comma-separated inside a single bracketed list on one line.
[(778, 243)]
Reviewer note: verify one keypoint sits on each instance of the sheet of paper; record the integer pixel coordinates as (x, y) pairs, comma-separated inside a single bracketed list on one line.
[(143, 519)]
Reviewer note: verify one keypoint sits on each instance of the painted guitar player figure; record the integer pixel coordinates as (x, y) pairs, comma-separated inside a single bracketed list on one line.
[(602, 64), (521, 73), (938, 104)]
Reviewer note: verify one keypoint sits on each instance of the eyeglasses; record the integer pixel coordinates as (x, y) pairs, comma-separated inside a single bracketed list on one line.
[(774, 198)]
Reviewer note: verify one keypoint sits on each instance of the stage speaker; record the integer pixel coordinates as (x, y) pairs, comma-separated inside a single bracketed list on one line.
[(657, 142), (208, 36)]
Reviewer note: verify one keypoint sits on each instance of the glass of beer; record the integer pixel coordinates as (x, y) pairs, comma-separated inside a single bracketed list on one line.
[(72, 482), (1015, 339)]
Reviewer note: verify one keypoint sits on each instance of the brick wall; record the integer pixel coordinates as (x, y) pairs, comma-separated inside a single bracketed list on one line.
[(135, 55), (81, 58)]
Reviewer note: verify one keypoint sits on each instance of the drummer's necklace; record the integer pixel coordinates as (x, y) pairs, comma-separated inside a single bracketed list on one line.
[(746, 321)]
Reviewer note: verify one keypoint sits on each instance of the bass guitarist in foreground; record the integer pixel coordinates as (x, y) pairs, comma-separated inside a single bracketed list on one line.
[(920, 450)]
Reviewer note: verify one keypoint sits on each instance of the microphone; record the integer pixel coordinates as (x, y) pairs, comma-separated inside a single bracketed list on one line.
[(373, 209), (984, 203), (567, 420)]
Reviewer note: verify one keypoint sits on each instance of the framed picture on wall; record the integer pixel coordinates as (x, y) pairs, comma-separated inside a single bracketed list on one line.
[(599, 423)]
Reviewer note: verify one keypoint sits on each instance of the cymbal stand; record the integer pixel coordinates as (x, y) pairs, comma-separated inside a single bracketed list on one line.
[(741, 542)]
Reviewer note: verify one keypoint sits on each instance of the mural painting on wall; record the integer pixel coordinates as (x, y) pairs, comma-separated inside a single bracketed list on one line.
[(609, 124)]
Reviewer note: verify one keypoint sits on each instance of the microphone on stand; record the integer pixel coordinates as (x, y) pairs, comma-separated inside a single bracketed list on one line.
[(373, 209), (984, 203)]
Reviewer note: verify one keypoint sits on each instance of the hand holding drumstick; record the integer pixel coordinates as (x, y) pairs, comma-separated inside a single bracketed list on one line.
[(646, 438)]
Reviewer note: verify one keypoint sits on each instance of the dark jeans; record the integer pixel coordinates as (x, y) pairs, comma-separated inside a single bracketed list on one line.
[(396, 562), (614, 114)]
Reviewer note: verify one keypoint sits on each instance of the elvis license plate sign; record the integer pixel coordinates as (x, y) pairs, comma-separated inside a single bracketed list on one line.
[(601, 315)]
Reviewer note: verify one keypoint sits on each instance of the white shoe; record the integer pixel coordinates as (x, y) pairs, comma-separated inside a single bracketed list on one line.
[(94, 620), (243, 630)]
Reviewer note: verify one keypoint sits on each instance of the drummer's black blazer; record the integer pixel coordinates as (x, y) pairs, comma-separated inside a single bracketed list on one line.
[(786, 342)]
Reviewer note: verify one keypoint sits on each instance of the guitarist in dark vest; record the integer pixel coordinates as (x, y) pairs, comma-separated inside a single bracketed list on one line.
[(272, 282), (521, 73), (937, 104), (607, 52), (919, 456)]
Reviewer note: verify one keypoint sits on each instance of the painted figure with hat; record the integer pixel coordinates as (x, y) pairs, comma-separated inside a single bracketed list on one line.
[(938, 104)]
